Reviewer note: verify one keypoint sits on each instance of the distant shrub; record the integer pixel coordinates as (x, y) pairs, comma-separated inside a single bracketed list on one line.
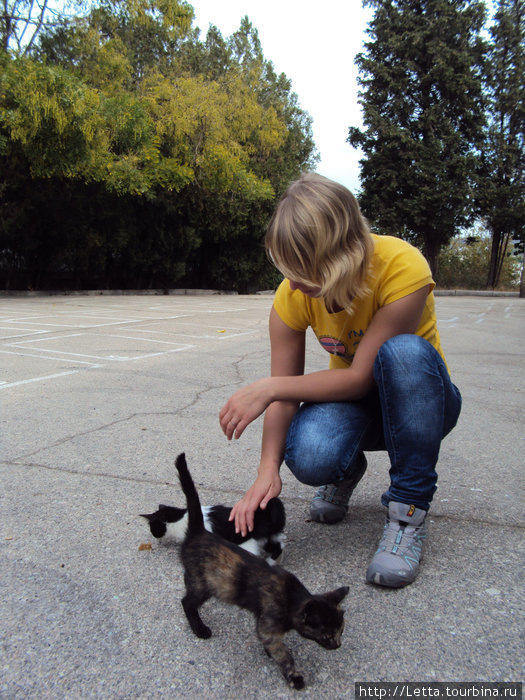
[(464, 264)]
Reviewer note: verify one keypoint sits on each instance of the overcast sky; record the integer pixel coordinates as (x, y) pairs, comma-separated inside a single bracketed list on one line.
[(314, 44)]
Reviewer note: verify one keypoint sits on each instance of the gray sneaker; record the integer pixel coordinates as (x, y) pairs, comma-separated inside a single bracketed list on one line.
[(396, 561), (330, 503)]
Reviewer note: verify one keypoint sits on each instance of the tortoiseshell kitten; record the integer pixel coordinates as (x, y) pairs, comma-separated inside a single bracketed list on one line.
[(279, 601)]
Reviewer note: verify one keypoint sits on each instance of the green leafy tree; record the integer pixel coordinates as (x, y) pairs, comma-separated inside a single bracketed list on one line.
[(501, 189), (119, 41), (170, 150), (420, 78), (277, 144), (63, 128)]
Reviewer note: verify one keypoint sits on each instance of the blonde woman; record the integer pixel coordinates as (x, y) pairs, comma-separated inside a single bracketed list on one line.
[(369, 301)]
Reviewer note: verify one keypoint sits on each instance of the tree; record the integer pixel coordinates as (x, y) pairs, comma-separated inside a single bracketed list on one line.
[(277, 143), (22, 21), (501, 188), (421, 97), (58, 126), (464, 261), (151, 158)]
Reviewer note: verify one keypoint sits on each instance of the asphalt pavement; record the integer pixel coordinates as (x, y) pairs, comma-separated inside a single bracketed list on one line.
[(99, 393)]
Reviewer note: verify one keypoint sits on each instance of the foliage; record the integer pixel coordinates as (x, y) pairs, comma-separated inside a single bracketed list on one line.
[(463, 265), (59, 127), (501, 186), (421, 96), (134, 154)]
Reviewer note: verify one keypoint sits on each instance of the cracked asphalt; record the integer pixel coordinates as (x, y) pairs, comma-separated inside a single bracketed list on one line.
[(99, 393)]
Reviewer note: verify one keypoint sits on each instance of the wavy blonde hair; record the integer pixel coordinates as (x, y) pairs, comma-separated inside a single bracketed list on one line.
[(318, 237)]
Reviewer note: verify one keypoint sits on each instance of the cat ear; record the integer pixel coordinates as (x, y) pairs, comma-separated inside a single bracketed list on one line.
[(148, 516), (337, 595)]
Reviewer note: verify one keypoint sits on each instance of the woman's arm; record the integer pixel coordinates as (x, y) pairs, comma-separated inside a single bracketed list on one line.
[(349, 384), (287, 358), (354, 382), (280, 394)]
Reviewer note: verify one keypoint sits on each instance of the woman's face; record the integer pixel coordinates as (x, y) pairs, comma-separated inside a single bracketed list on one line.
[(305, 289)]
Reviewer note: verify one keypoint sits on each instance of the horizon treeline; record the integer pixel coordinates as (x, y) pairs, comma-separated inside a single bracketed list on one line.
[(135, 153)]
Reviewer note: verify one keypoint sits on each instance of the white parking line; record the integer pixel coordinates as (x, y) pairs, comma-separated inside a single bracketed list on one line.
[(43, 357), (20, 343), (28, 331), (94, 325), (117, 358), (39, 379), (54, 333), (451, 322)]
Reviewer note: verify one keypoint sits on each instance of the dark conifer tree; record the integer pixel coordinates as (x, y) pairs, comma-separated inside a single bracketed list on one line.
[(501, 189), (421, 76)]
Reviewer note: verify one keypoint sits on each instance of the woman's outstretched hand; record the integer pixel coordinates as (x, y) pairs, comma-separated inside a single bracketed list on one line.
[(264, 488), (245, 406)]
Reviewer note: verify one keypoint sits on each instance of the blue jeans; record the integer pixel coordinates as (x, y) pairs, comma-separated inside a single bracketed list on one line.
[(412, 408)]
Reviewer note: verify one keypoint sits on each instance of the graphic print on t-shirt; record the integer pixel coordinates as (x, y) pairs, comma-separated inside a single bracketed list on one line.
[(334, 346), (340, 348)]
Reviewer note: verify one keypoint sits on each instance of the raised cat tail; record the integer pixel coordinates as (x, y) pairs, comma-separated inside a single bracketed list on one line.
[(195, 519)]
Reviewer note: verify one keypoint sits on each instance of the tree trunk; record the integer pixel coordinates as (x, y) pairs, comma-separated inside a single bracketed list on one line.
[(498, 251), (431, 253), (493, 262)]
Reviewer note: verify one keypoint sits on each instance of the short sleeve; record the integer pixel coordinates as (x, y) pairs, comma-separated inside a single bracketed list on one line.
[(291, 307), (404, 271)]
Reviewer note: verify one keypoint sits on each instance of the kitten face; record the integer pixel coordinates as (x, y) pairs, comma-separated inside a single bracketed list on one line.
[(169, 524), (327, 633), (322, 620), (165, 524)]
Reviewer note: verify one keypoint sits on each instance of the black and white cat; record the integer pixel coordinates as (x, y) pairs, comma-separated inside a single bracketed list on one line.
[(170, 523)]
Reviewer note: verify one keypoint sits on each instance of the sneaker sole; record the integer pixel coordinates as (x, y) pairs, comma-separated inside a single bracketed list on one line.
[(327, 518), (389, 579)]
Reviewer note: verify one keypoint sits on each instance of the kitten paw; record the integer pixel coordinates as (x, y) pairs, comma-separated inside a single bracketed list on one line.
[(204, 632), (296, 681)]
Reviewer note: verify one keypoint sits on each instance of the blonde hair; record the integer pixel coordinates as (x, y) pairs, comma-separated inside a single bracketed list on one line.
[(318, 237)]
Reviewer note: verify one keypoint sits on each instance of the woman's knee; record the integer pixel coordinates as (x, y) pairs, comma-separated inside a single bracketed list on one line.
[(406, 345), (305, 456), (313, 453), (407, 357)]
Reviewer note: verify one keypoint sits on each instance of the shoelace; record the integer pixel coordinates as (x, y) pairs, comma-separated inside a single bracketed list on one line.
[(338, 495), (397, 540)]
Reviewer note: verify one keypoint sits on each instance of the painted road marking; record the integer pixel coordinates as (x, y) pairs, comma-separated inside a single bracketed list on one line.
[(39, 332)]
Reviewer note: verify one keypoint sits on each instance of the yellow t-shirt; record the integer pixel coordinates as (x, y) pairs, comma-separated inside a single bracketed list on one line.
[(396, 270)]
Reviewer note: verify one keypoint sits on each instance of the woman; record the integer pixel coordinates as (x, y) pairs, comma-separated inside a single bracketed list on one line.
[(369, 301)]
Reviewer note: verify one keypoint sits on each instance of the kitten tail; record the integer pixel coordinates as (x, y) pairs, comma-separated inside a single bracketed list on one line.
[(195, 518)]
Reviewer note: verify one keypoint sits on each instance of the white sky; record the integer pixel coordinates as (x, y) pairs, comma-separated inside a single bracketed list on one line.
[(314, 44)]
